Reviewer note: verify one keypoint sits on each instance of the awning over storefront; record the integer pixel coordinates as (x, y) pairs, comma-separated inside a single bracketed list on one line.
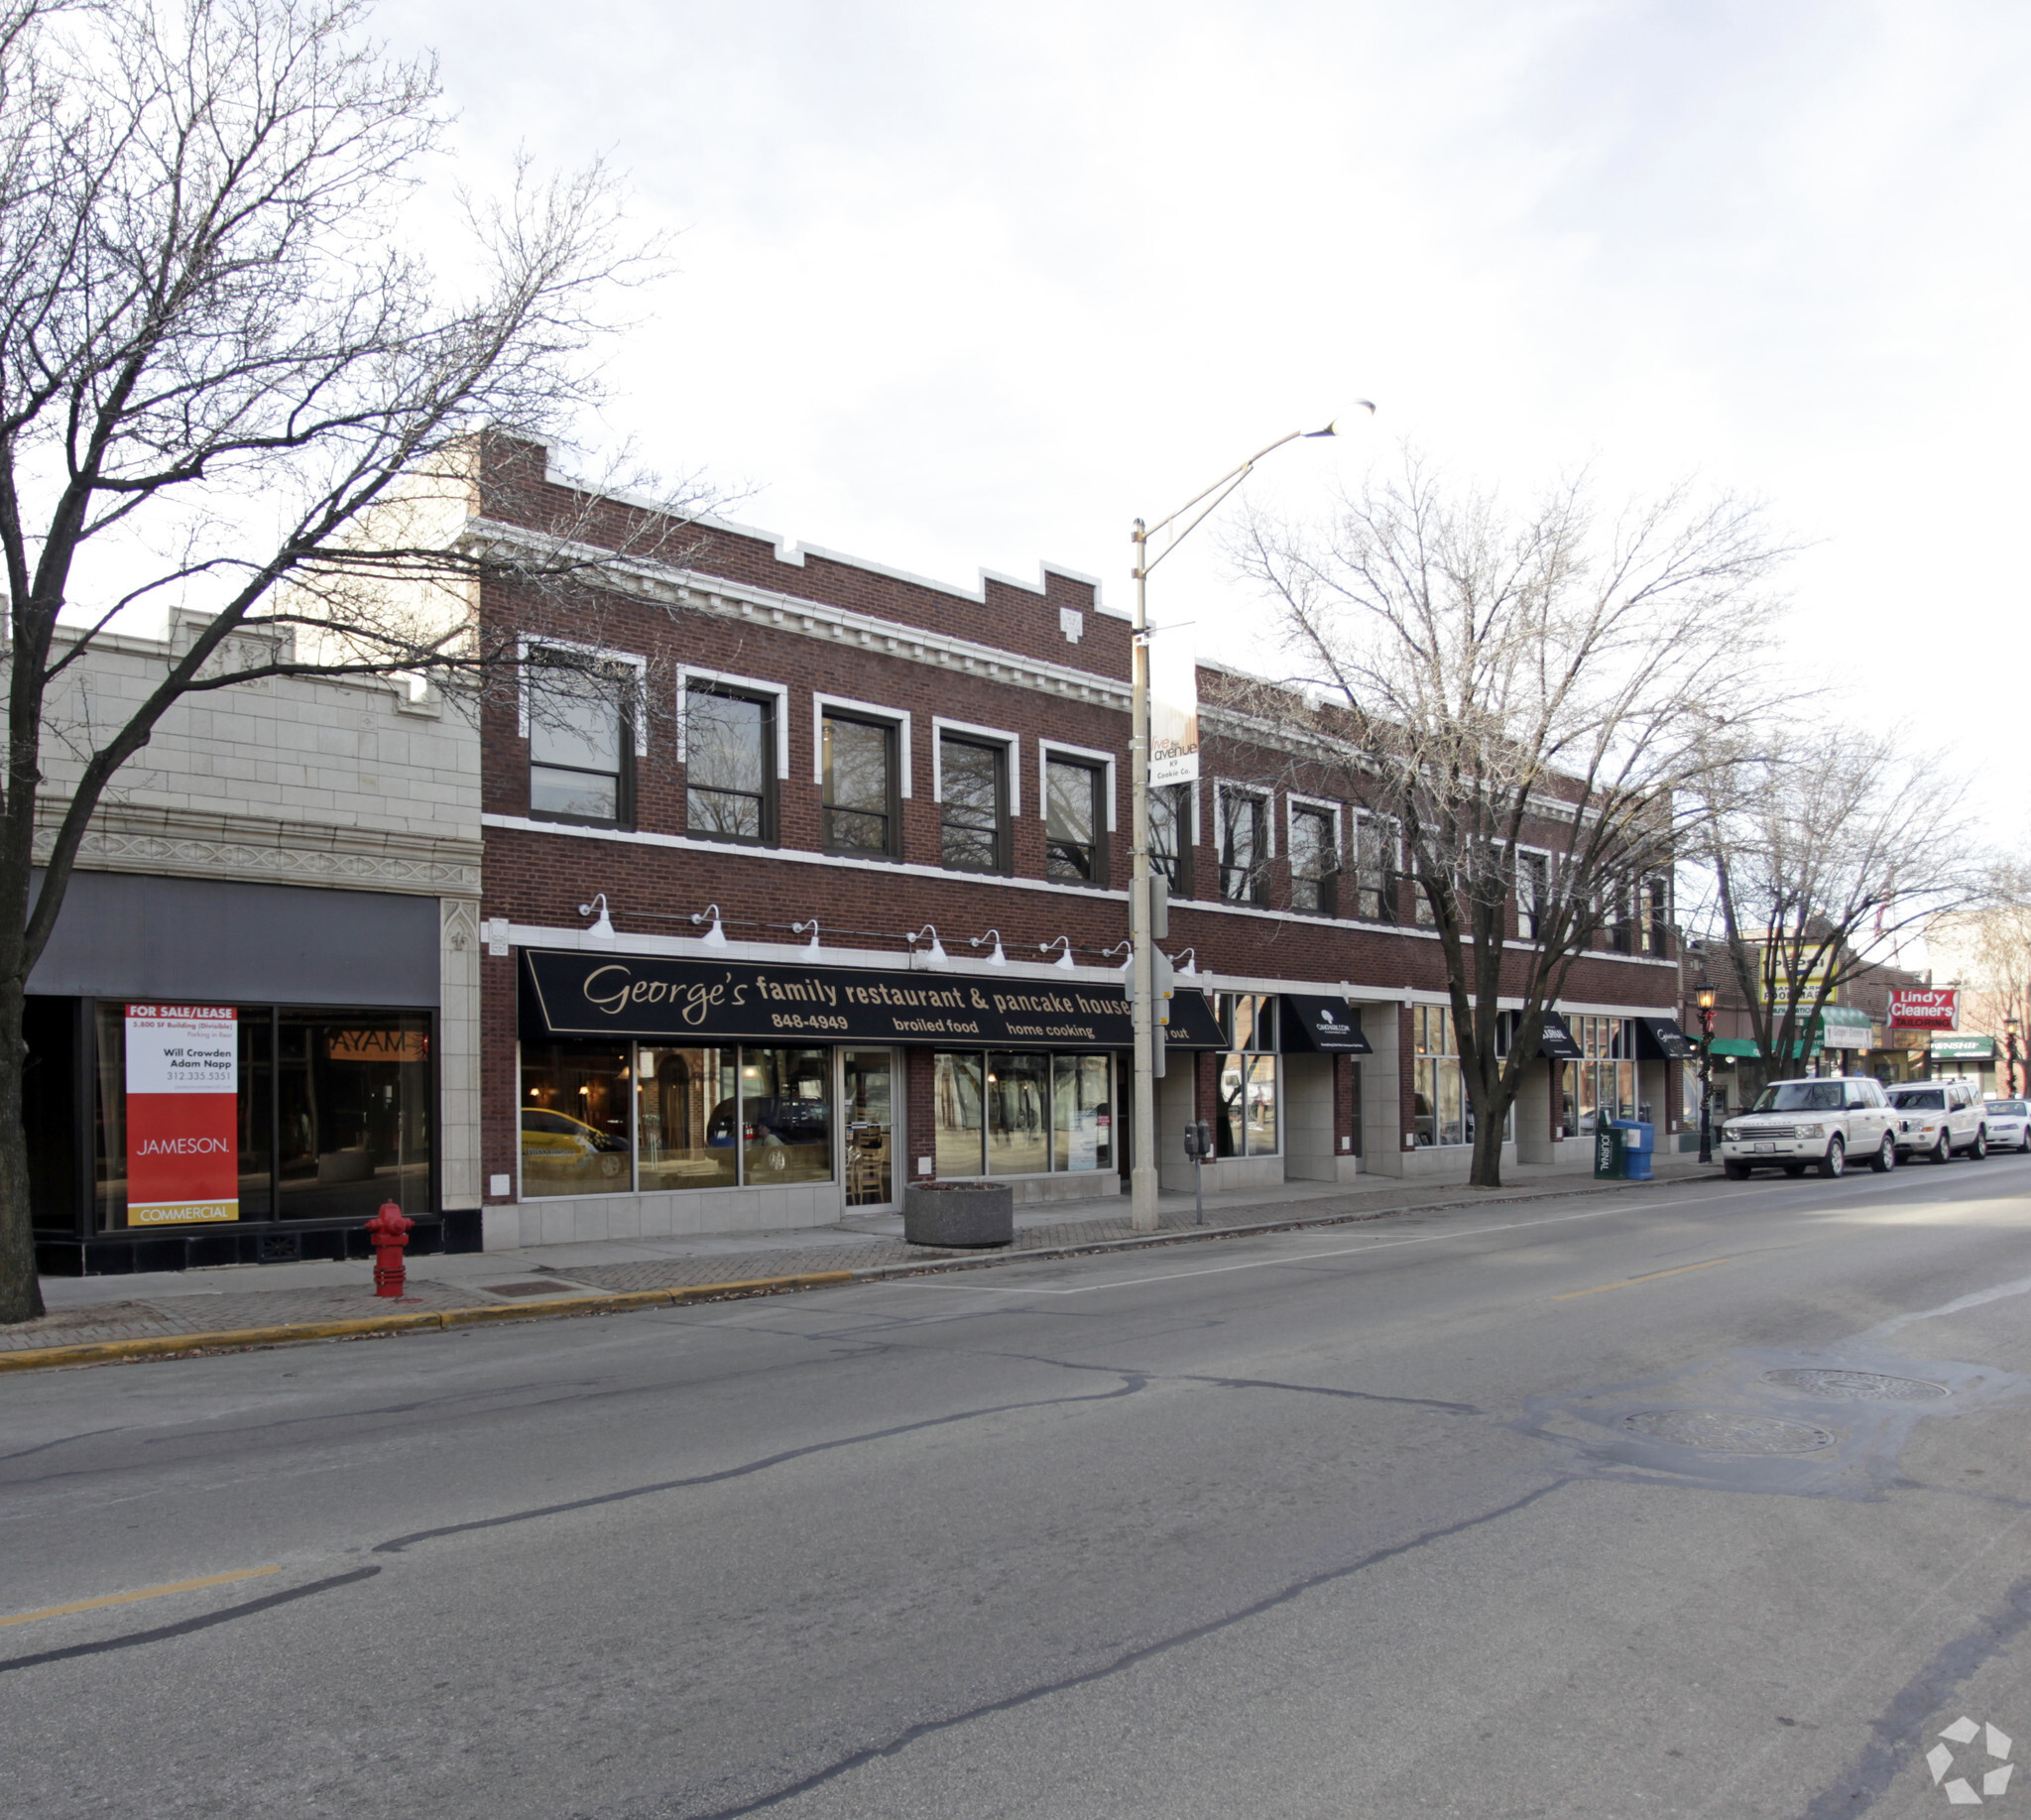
[(1557, 1043), (1661, 1039), (1192, 1022), (1845, 1027), (1963, 1049), (1740, 1048), (573, 993), (1329, 1026)]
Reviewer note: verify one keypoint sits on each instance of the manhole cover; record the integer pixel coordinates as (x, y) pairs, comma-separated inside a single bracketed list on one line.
[(1874, 1386), (1723, 1431), (525, 1288)]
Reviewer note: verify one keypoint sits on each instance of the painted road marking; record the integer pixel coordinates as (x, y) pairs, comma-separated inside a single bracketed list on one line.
[(146, 1592), (1630, 1282)]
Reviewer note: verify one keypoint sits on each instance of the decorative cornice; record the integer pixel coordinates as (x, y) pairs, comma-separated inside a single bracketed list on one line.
[(188, 843), (669, 586)]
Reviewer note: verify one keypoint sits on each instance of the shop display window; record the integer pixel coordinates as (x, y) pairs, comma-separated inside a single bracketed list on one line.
[(334, 1114), (681, 1095), (1603, 1085), (785, 1113), (576, 1118), (1021, 1112), (1438, 1088), (1248, 1123)]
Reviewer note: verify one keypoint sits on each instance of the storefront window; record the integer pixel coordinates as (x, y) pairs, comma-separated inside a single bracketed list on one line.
[(1018, 1114), (1022, 1113), (683, 1118), (1082, 1114), (1604, 1083), (1249, 1124), (333, 1113), (574, 1118), (1438, 1090), (958, 1114), (785, 1116)]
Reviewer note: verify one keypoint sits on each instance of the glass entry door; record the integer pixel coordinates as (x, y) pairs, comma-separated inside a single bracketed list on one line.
[(867, 1101)]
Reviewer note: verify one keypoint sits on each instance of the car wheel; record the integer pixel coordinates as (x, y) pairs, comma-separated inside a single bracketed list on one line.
[(1736, 1172), (2024, 1142), (1942, 1151), (1794, 1168), (1834, 1162), (1979, 1148), (1885, 1158)]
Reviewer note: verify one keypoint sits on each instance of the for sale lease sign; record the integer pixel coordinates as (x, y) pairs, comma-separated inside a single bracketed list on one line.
[(1925, 1007), (183, 1114)]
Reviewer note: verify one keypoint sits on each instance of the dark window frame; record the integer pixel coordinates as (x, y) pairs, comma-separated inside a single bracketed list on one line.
[(892, 731), (1378, 882), (1184, 823), (1327, 882), (1003, 861), (1254, 877), (627, 683), (771, 793), (1096, 770)]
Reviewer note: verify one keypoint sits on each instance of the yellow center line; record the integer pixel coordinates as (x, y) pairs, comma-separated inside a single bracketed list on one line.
[(1652, 1277), (146, 1592)]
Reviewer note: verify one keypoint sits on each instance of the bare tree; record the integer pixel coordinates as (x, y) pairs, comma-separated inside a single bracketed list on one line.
[(1487, 680), (229, 385), (1987, 951), (1815, 856)]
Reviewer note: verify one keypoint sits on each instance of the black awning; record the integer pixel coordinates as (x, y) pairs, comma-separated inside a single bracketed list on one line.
[(1661, 1039), (1192, 1024), (579, 993), (1556, 1043), (1328, 1027)]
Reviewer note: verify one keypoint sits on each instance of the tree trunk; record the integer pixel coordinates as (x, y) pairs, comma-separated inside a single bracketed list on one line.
[(21, 1291), (1487, 1152)]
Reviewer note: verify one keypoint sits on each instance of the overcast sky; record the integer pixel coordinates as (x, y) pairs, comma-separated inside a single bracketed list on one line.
[(967, 287)]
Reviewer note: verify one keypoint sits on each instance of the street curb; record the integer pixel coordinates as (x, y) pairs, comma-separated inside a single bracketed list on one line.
[(163, 1346), (168, 1345)]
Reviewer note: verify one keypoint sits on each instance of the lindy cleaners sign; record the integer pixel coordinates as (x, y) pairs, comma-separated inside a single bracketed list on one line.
[(572, 994), (183, 1114)]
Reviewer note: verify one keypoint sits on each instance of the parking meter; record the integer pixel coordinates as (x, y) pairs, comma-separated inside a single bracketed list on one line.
[(1199, 1146)]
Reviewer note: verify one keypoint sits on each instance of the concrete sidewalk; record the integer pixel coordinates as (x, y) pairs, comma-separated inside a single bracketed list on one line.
[(219, 1303)]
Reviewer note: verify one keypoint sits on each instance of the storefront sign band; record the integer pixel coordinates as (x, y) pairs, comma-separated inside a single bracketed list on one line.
[(575, 994)]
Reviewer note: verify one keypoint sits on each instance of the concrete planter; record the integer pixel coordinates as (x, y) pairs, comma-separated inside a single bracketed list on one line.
[(959, 1214)]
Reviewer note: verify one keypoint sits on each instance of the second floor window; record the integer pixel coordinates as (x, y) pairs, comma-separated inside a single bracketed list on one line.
[(1375, 870), (1313, 862), (860, 785), (974, 834), (1072, 820), (1244, 848), (1170, 836), (1533, 895), (1656, 905), (729, 766), (581, 739)]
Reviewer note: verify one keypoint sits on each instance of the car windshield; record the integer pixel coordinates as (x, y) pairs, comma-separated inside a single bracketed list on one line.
[(2007, 1109), (1801, 1096), (1920, 1099)]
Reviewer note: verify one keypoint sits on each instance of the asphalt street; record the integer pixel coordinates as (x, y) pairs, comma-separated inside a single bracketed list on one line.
[(1703, 1499)]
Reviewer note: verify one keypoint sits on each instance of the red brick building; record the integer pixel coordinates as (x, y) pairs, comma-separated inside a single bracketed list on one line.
[(847, 829)]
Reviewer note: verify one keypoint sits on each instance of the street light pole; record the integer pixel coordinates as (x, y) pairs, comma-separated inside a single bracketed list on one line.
[(2011, 1038), (1142, 996), (1705, 1003)]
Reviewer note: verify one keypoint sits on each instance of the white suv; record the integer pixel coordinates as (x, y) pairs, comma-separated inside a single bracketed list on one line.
[(1821, 1122), (1937, 1118)]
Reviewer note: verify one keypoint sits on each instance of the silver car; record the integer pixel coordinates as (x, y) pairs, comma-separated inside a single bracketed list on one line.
[(1818, 1124), (2009, 1125)]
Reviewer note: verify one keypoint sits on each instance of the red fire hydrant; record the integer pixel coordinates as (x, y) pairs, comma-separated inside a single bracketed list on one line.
[(388, 1232)]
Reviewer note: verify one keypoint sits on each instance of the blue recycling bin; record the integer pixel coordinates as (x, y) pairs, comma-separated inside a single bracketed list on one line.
[(1639, 1144)]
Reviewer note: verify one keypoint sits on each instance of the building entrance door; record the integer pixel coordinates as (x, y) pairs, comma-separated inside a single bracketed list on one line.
[(869, 1101)]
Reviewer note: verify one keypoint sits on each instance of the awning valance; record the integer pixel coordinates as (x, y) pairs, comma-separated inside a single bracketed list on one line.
[(1661, 1039), (1328, 1027), (1557, 1042), (1192, 1024)]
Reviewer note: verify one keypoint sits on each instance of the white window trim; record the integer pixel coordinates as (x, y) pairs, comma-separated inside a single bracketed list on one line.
[(637, 664), (869, 710), (1044, 748), (1292, 802), (754, 686), (986, 736), (1262, 793)]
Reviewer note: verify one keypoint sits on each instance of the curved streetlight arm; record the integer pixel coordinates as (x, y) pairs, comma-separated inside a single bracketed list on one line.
[(1225, 485)]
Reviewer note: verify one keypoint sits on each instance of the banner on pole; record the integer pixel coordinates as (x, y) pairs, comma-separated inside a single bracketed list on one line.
[(1173, 706), (183, 1114)]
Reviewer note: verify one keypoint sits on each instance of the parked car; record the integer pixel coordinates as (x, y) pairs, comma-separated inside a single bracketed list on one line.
[(2009, 1125), (1816, 1122), (1935, 1119)]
